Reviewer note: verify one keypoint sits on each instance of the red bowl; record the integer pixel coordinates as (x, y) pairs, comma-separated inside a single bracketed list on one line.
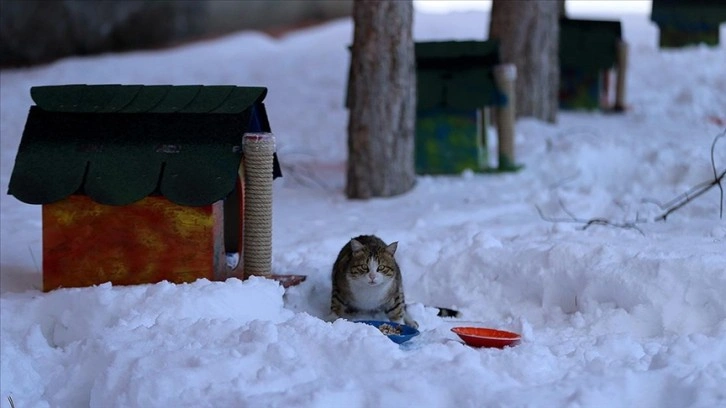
[(483, 337)]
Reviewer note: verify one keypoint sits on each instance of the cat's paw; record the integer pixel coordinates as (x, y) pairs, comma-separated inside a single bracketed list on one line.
[(410, 322), (331, 317)]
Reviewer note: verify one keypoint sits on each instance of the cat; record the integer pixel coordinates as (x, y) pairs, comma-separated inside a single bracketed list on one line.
[(367, 279)]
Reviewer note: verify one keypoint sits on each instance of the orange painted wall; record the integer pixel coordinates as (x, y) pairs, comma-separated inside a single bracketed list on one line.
[(86, 243)]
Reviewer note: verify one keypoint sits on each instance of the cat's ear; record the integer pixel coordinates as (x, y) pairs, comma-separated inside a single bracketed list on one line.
[(391, 249), (355, 245)]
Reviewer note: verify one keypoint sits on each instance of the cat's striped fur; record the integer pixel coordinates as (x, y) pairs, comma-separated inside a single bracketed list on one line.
[(366, 278)]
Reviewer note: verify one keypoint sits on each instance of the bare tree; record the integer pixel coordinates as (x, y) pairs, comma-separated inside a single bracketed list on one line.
[(528, 33), (382, 100)]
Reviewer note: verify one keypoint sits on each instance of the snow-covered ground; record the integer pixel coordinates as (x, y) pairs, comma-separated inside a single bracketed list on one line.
[(609, 316)]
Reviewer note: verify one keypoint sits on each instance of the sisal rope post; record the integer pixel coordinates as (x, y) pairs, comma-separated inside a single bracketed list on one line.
[(258, 149)]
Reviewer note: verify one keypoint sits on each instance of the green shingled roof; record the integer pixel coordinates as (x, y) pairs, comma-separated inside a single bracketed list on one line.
[(121, 143), (689, 15), (588, 45), (146, 98), (457, 74)]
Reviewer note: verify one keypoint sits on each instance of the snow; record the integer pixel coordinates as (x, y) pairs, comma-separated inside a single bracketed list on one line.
[(609, 316)]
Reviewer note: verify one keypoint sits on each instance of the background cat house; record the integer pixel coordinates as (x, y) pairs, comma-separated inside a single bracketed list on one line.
[(589, 50), (456, 83), (688, 22), (138, 184)]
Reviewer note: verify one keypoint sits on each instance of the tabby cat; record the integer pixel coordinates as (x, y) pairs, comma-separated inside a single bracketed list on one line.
[(367, 279)]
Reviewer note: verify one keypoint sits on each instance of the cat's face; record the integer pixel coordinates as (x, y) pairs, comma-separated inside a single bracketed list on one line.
[(372, 268)]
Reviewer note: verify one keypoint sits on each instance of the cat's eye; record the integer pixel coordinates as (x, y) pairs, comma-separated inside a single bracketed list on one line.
[(359, 270)]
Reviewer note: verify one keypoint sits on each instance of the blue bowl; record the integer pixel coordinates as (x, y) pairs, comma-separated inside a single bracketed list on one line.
[(407, 332)]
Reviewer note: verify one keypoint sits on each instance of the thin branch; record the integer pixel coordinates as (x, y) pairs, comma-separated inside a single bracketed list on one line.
[(32, 256), (713, 150), (671, 206), (590, 222), (683, 196), (302, 175), (564, 181), (713, 165), (687, 198), (699, 189), (567, 211)]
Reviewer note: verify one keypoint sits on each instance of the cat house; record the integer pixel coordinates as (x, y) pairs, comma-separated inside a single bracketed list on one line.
[(589, 52), (457, 82), (688, 22), (140, 184)]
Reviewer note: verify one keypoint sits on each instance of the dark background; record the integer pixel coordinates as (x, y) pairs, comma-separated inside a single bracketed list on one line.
[(40, 31)]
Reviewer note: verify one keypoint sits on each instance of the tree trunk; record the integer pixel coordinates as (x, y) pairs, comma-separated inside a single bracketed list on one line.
[(382, 100), (528, 32)]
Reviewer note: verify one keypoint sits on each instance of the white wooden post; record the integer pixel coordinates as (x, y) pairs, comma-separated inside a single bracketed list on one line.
[(620, 78), (505, 75)]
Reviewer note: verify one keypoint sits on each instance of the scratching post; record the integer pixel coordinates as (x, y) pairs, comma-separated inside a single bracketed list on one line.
[(620, 79), (505, 75), (258, 149)]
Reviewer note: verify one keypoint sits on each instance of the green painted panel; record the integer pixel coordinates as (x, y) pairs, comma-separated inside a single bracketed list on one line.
[(579, 89), (447, 142)]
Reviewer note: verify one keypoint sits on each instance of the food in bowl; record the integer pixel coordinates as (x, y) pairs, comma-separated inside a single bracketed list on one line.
[(398, 333), (387, 329)]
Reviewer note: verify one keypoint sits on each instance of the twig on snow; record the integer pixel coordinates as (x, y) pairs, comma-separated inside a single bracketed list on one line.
[(693, 192), (668, 208), (587, 223)]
